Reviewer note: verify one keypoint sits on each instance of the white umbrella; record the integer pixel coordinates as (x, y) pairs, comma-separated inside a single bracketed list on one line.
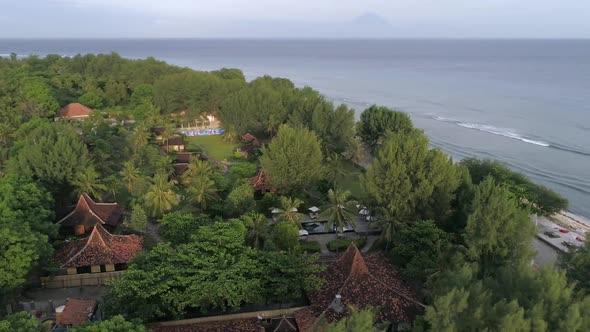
[(294, 210), (314, 209), (364, 212), (303, 232), (275, 210)]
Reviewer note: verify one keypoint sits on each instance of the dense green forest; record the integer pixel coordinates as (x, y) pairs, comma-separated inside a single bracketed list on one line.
[(461, 230)]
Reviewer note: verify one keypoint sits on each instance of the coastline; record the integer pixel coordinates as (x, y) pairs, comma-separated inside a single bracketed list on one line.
[(571, 222)]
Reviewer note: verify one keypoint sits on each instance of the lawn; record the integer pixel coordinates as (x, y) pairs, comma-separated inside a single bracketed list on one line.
[(351, 180), (214, 145)]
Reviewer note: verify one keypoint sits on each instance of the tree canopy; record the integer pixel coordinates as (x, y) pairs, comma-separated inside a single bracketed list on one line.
[(538, 198), (293, 159), (377, 121)]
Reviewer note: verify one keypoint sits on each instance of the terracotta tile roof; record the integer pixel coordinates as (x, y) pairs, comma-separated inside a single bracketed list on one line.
[(305, 319), (100, 248), (89, 214), (238, 325), (78, 311), (372, 282), (75, 110)]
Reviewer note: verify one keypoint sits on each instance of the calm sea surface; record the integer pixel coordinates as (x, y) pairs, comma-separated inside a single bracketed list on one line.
[(524, 102)]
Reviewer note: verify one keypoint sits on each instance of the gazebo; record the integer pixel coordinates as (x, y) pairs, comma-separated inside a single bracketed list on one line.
[(314, 212)]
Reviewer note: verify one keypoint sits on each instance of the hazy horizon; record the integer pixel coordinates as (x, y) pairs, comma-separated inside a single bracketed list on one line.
[(290, 19)]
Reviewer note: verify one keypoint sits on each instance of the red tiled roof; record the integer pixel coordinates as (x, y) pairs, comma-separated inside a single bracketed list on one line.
[(75, 110), (89, 214), (372, 282), (100, 248), (238, 325), (78, 311)]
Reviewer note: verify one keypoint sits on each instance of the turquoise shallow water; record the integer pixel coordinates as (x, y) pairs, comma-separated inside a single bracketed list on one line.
[(524, 102)]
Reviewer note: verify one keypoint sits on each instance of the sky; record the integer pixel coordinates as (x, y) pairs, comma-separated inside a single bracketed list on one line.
[(295, 19)]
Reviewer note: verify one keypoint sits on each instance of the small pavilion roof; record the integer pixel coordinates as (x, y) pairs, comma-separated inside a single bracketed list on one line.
[(89, 213), (74, 110), (251, 138), (284, 324), (158, 130), (183, 157), (77, 311), (259, 181), (179, 169), (314, 209), (99, 248)]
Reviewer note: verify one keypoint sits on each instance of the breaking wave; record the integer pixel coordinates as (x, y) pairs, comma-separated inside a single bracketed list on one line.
[(509, 133), (505, 132)]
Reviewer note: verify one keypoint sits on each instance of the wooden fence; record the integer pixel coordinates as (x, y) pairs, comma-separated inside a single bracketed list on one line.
[(223, 318), (78, 280)]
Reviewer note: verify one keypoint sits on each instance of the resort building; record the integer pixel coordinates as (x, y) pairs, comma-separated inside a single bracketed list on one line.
[(100, 252), (174, 144), (74, 111), (88, 214)]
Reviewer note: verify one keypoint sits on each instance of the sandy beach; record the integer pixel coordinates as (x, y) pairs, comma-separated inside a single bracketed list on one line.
[(571, 222)]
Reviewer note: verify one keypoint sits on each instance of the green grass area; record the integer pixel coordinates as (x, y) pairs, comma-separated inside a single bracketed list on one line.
[(310, 246), (214, 145), (351, 181)]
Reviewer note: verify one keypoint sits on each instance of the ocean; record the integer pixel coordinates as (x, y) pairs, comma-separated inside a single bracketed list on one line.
[(523, 102)]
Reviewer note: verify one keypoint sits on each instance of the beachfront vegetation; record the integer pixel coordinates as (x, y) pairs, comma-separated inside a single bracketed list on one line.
[(293, 160), (409, 182), (461, 231), (577, 265)]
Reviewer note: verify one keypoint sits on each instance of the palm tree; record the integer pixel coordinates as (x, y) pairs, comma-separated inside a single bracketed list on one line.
[(164, 164), (130, 174), (288, 211), (202, 190), (140, 137), (161, 197), (196, 168), (340, 210), (334, 169), (167, 135), (87, 182), (230, 135), (389, 224), (257, 228)]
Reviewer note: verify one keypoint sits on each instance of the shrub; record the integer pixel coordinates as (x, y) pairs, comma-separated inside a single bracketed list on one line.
[(310, 246), (342, 244)]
